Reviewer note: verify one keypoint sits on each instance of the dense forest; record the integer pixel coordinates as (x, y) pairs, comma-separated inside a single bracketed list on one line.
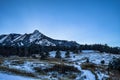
[(37, 49)]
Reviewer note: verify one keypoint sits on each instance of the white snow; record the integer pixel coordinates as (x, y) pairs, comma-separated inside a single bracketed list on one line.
[(21, 44), (17, 38), (101, 76), (88, 51), (27, 66), (45, 42), (93, 56), (53, 53), (22, 37), (34, 36), (88, 74), (4, 76), (62, 54), (1, 40), (60, 42)]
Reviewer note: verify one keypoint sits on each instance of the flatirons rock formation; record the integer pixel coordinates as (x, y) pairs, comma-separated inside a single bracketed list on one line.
[(33, 38)]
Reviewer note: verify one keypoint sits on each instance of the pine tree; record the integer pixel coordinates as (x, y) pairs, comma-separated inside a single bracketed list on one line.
[(87, 60), (47, 54), (58, 54), (67, 54), (43, 56)]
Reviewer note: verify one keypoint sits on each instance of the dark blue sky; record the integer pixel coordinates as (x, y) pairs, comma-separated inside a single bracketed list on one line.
[(84, 21)]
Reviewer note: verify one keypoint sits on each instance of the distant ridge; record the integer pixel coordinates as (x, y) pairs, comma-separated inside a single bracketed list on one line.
[(36, 37)]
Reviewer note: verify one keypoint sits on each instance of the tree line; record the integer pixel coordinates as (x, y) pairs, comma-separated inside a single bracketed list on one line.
[(101, 48), (37, 49)]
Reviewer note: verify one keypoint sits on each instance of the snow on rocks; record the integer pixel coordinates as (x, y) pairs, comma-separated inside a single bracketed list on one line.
[(36, 35), (1, 40), (45, 42)]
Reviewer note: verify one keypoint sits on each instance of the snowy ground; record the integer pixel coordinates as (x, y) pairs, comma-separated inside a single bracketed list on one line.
[(75, 60), (93, 56), (4, 76)]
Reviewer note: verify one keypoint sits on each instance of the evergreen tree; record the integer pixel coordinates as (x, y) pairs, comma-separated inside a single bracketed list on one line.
[(58, 54), (102, 62), (114, 64), (43, 56), (47, 54), (67, 54), (87, 60)]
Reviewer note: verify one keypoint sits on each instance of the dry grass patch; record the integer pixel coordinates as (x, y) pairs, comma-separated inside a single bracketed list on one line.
[(65, 78), (114, 75), (1, 61), (73, 76), (53, 60), (16, 71), (17, 62), (92, 67), (88, 66), (61, 68), (40, 71)]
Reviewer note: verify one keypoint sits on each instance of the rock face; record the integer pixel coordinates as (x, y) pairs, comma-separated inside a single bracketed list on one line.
[(33, 38)]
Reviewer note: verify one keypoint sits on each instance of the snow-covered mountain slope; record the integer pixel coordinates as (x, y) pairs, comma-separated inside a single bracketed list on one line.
[(33, 38), (8, 39)]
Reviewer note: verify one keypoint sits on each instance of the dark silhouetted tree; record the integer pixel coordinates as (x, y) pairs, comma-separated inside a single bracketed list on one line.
[(58, 54), (67, 54)]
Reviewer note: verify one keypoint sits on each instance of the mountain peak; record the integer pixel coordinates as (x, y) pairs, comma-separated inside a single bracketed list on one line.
[(32, 39), (36, 31)]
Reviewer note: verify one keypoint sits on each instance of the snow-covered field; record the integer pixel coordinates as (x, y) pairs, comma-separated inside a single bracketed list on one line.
[(76, 60), (93, 56), (4, 76)]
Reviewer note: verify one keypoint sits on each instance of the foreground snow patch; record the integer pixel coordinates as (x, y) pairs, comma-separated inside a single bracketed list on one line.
[(88, 74), (4, 76)]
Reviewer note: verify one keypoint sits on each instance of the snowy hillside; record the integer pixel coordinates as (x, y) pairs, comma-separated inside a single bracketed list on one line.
[(48, 69)]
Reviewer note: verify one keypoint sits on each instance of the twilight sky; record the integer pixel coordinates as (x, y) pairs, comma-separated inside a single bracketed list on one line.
[(84, 21)]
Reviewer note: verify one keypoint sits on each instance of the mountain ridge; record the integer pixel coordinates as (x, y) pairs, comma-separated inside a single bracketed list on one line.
[(14, 39)]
